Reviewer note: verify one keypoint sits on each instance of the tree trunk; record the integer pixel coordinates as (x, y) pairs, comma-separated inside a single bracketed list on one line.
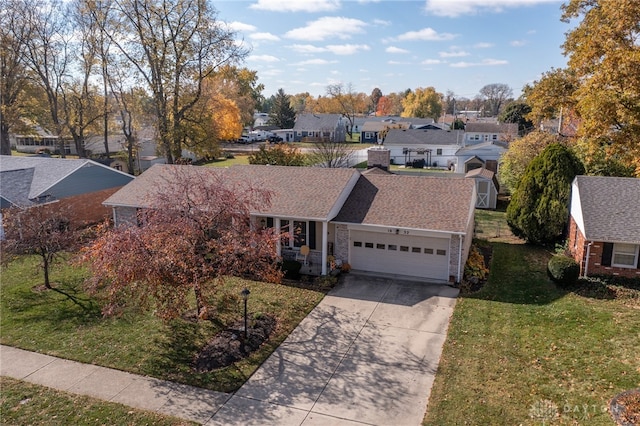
[(5, 143), (45, 266)]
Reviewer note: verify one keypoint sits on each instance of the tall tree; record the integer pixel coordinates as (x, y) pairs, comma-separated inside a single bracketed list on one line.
[(282, 113), (539, 206), (496, 95), (516, 112), (174, 45), (183, 251), (331, 154), (376, 94), (423, 103), (350, 103), (604, 53)]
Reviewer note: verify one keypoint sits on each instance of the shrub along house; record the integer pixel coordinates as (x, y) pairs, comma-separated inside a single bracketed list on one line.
[(604, 225), (406, 225)]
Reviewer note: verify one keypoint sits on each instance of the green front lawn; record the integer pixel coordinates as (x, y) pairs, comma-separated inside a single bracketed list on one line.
[(72, 326), (23, 403), (524, 352)]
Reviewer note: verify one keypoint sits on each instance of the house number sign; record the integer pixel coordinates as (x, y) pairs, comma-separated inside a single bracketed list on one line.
[(398, 231)]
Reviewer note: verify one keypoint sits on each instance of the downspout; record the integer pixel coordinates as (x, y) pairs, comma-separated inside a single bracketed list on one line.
[(325, 232), (459, 259), (279, 243), (586, 261)]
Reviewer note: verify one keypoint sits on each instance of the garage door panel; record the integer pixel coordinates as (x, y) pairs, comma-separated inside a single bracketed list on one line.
[(400, 254)]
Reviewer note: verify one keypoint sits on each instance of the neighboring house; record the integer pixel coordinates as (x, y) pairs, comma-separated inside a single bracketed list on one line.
[(39, 141), (82, 184), (604, 225), (487, 187), (436, 147), (477, 132), (485, 154), (320, 127), (415, 226), (373, 131)]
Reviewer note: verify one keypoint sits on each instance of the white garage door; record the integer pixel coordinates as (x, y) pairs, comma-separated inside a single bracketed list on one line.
[(400, 254)]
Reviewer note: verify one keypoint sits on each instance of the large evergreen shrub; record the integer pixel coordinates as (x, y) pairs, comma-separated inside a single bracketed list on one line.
[(563, 270)]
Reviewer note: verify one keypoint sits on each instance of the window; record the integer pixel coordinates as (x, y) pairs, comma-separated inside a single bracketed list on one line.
[(357, 243), (416, 249), (380, 246), (392, 247), (625, 255), (297, 235), (404, 248), (368, 245), (428, 251), (441, 252), (439, 151), (368, 135)]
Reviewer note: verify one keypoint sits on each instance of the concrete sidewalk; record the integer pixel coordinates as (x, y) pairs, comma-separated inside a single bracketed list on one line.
[(367, 354), (146, 393)]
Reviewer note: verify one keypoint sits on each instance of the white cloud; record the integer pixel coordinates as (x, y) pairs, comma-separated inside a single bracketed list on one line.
[(263, 58), (453, 54), (264, 37), (307, 48), (483, 45), (241, 27), (297, 5), (518, 43), (398, 63), (472, 7), (315, 62), (327, 27), (347, 49), (431, 62), (483, 63), (428, 34), (381, 22), (393, 49)]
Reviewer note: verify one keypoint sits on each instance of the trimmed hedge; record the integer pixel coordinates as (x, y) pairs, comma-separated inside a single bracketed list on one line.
[(291, 269), (563, 270)]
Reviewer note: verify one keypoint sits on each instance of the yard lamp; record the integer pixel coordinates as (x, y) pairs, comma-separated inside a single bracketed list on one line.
[(245, 296)]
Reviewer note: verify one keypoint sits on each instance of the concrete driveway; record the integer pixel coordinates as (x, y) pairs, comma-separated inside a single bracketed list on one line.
[(367, 354)]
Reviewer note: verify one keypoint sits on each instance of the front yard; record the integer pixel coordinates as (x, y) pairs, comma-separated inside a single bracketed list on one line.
[(523, 352), (72, 327)]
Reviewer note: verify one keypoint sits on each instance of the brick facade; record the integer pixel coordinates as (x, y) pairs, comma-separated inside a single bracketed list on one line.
[(87, 209), (578, 249)]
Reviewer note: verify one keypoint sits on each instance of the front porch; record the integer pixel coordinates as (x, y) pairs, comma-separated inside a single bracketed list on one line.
[(313, 264)]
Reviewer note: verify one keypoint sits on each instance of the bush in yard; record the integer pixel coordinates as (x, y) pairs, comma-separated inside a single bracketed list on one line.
[(291, 269), (475, 268), (563, 270), (539, 206)]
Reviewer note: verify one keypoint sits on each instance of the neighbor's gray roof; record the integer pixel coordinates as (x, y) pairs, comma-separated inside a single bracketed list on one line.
[(417, 202), (483, 147), (423, 137), (610, 208), (316, 122), (301, 192), (480, 127)]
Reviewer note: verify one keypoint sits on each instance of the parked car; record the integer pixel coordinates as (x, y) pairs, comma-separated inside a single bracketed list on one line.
[(275, 139), (246, 139)]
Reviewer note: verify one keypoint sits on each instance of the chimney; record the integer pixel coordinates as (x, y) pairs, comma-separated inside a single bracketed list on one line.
[(378, 157)]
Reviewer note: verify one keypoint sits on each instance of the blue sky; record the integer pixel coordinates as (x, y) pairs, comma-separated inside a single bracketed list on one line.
[(458, 45)]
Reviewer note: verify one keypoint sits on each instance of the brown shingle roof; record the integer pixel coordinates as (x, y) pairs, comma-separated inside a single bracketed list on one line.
[(418, 202), (302, 192)]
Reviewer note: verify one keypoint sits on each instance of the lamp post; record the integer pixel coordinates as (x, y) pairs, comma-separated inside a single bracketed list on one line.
[(245, 295)]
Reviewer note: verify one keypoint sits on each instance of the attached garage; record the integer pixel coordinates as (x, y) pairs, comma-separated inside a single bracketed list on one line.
[(389, 253)]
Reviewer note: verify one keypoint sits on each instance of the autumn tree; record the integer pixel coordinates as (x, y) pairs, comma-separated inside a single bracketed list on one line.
[(520, 153), (198, 232), (496, 95), (278, 155), (43, 230), (376, 95), (517, 112), (551, 94), (539, 206), (423, 103), (349, 103), (282, 113), (174, 45)]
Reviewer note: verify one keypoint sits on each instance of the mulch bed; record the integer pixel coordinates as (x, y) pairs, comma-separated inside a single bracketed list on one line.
[(625, 408), (229, 345)]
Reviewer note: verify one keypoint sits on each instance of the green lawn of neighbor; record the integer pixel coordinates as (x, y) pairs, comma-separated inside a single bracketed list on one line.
[(524, 352), (49, 322), (23, 403)]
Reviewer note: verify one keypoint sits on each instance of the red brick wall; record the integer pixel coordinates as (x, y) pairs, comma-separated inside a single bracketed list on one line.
[(578, 249), (87, 208)]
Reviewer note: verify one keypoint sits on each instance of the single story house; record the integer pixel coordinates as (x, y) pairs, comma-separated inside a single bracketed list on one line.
[(83, 184), (318, 127), (604, 225), (487, 187), (436, 147), (485, 154), (476, 132), (373, 131), (420, 227)]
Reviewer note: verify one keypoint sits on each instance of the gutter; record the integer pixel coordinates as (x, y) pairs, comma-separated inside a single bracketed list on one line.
[(459, 258)]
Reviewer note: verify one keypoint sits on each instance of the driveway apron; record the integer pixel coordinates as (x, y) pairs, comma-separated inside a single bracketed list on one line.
[(367, 354)]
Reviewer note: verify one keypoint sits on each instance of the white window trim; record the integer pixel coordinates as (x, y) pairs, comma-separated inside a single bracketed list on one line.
[(635, 257), (291, 244)]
